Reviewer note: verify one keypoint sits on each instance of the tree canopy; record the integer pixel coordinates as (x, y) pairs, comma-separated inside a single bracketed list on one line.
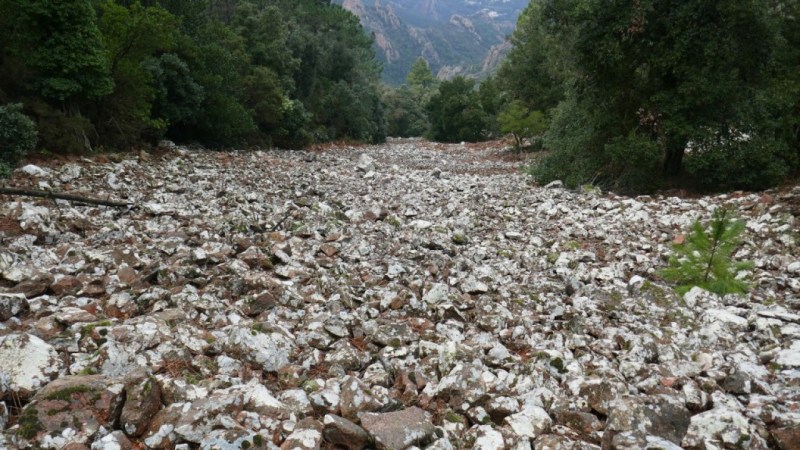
[(119, 73), (683, 89)]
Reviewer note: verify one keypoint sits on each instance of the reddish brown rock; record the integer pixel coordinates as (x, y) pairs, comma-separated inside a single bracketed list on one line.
[(82, 403), (67, 285), (142, 402)]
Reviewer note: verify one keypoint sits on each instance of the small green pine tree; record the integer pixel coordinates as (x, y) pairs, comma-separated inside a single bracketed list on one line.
[(705, 259)]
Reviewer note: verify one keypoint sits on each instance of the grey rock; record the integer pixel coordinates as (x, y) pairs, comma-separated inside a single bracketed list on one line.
[(307, 435), (12, 305), (719, 427), (661, 416), (270, 350), (399, 430), (342, 432), (142, 402)]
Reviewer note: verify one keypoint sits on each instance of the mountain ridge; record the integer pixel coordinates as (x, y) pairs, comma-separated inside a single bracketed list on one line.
[(466, 38)]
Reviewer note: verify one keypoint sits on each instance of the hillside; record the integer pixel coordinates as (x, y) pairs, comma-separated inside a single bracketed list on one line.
[(455, 37)]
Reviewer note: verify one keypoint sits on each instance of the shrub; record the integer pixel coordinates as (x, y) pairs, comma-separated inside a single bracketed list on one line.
[(17, 135), (455, 112), (521, 122), (705, 259), (754, 163)]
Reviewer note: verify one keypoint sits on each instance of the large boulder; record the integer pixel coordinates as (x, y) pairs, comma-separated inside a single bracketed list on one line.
[(72, 409)]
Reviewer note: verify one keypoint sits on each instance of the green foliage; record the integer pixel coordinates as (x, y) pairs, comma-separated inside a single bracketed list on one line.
[(455, 112), (123, 73), (648, 80), (755, 162), (521, 122), (534, 71), (177, 95), (420, 76), (17, 136), (706, 258), (62, 46), (132, 35), (405, 112)]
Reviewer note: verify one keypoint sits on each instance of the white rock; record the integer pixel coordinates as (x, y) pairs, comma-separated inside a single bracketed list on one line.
[(269, 350), (69, 172), (530, 423), (488, 439), (365, 163), (789, 357), (34, 171), (717, 428), (554, 184), (27, 362), (726, 317), (472, 286), (438, 293)]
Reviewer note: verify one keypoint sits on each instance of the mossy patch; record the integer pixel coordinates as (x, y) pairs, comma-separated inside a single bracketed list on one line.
[(29, 424), (66, 393)]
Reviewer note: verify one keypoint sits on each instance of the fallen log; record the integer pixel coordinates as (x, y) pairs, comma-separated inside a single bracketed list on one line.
[(62, 196)]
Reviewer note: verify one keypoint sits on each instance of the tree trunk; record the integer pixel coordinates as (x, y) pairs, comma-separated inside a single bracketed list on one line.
[(673, 159)]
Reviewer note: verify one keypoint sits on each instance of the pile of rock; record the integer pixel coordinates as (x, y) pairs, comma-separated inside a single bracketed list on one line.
[(383, 297)]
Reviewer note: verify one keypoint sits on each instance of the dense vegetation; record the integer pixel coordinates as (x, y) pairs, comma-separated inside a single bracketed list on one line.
[(632, 96), (643, 94), (117, 74)]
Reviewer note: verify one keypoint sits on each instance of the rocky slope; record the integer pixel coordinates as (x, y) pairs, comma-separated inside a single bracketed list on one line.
[(409, 295), (455, 37)]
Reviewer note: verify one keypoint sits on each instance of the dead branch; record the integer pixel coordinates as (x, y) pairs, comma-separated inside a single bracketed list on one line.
[(62, 196)]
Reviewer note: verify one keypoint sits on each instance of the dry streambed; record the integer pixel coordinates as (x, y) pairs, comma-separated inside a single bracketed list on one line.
[(408, 295)]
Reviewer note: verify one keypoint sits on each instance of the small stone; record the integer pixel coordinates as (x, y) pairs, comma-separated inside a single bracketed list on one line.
[(67, 285), (142, 402), (307, 435), (270, 350), (34, 171), (487, 438), (787, 438), (720, 427), (438, 293), (554, 184), (12, 305), (472, 286)]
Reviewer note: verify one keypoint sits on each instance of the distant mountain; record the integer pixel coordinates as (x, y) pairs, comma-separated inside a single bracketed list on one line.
[(456, 37)]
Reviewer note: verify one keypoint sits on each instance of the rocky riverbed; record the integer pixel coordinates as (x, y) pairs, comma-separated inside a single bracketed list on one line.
[(408, 295)]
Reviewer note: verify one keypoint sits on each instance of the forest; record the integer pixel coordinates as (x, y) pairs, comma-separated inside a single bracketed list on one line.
[(631, 96)]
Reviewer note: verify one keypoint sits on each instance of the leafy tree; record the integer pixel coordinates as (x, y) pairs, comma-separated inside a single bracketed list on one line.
[(455, 112), (677, 74), (218, 61), (405, 116), (133, 35), (178, 97), (17, 136), (62, 47), (521, 122), (536, 68), (420, 76), (706, 258)]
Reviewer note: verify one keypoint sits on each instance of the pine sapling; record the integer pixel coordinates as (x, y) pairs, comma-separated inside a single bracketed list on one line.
[(706, 258)]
